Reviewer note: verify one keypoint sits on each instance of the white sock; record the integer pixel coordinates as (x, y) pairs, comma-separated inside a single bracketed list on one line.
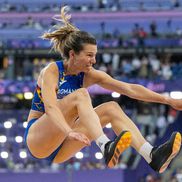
[(101, 141), (145, 151)]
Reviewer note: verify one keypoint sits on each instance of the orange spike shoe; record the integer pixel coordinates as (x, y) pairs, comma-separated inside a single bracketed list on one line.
[(113, 149), (162, 156)]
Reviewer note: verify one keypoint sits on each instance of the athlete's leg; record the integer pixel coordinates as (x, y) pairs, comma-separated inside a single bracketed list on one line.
[(158, 157), (112, 113), (107, 113), (44, 136)]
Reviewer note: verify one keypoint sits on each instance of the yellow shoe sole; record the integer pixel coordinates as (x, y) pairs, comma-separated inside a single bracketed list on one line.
[(122, 145), (175, 151)]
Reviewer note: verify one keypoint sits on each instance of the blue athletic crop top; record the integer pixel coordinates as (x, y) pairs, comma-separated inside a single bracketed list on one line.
[(66, 85)]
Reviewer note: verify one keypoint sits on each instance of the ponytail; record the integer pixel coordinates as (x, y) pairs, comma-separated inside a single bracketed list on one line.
[(66, 36)]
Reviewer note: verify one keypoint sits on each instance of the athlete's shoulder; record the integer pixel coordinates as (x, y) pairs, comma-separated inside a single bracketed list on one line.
[(92, 77), (94, 73), (47, 71), (98, 76), (50, 67)]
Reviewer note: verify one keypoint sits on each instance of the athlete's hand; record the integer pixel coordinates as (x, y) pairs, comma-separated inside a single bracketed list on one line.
[(79, 136), (175, 103)]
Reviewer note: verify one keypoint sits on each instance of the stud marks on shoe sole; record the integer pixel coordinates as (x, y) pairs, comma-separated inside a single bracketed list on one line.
[(121, 146), (175, 151)]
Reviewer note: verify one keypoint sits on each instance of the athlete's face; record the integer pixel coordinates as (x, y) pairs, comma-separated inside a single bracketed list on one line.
[(86, 58)]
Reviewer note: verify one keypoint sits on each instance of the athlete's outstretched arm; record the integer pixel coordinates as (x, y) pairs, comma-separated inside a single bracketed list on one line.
[(134, 91)]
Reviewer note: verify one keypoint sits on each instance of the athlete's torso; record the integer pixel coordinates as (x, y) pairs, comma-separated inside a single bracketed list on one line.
[(66, 85)]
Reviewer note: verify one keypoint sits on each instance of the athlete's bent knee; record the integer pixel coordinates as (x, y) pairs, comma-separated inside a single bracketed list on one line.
[(111, 107), (82, 94)]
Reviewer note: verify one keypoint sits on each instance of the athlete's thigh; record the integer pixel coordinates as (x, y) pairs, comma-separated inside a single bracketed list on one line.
[(68, 105), (44, 136), (71, 147)]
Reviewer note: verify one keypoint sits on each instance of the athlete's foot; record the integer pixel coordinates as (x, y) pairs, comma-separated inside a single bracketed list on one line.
[(161, 156), (113, 149)]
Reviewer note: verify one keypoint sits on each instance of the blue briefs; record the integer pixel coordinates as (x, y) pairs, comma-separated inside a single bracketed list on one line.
[(51, 157)]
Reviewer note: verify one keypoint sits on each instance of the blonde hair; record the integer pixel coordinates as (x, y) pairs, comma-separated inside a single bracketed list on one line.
[(67, 37)]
